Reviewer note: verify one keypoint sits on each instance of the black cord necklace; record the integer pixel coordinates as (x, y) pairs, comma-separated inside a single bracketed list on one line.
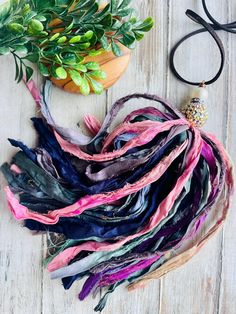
[(195, 111)]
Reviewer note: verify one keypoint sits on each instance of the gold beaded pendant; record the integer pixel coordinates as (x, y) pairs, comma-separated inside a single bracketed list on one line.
[(195, 111)]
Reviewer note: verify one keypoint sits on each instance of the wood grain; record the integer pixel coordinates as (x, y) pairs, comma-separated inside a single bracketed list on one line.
[(206, 284)]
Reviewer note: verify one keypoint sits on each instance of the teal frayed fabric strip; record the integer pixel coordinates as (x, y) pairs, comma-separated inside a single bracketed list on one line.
[(123, 204)]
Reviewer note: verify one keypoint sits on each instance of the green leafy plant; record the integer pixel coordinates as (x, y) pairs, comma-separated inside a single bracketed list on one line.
[(57, 35)]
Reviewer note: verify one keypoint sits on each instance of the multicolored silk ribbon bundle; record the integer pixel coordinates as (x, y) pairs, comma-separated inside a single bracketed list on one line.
[(127, 205)]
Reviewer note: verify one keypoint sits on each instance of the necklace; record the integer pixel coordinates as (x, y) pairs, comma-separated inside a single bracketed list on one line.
[(195, 110)]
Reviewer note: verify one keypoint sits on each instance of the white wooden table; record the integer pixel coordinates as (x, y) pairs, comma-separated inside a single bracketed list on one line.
[(207, 284)]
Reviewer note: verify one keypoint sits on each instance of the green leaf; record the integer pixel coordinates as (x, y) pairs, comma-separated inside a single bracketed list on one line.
[(41, 5), (62, 7), (29, 16), (55, 36), (30, 48), (139, 36), (96, 86), (43, 33), (99, 32), (79, 58), (44, 41), (14, 4), (114, 5), (69, 58), (81, 68), (124, 4), (61, 73), (29, 72), (133, 20), (62, 40), (92, 66), (88, 35), (4, 12), (98, 74), (126, 27), (53, 71), (127, 40), (125, 12), (22, 40), (20, 76), (116, 25), (63, 2), (146, 25), (132, 46), (16, 28), (90, 12), (20, 49), (41, 17), (17, 67), (104, 42), (116, 49), (76, 77), (84, 87), (94, 53), (93, 41), (84, 3), (18, 19), (69, 27), (35, 26), (83, 46), (26, 9), (4, 50), (75, 39), (100, 14), (57, 59), (106, 21), (43, 69)]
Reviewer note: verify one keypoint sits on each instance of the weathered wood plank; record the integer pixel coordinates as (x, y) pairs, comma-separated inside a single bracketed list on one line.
[(20, 253), (194, 288), (228, 279)]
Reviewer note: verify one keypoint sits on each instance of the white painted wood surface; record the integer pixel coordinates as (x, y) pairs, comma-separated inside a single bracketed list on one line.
[(207, 284)]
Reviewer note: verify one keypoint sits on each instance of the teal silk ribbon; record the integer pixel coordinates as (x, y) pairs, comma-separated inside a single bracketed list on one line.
[(125, 201)]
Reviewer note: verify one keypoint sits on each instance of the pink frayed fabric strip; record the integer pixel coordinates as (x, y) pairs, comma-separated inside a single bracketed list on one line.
[(131, 203), (21, 212), (34, 91), (92, 124), (15, 169)]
